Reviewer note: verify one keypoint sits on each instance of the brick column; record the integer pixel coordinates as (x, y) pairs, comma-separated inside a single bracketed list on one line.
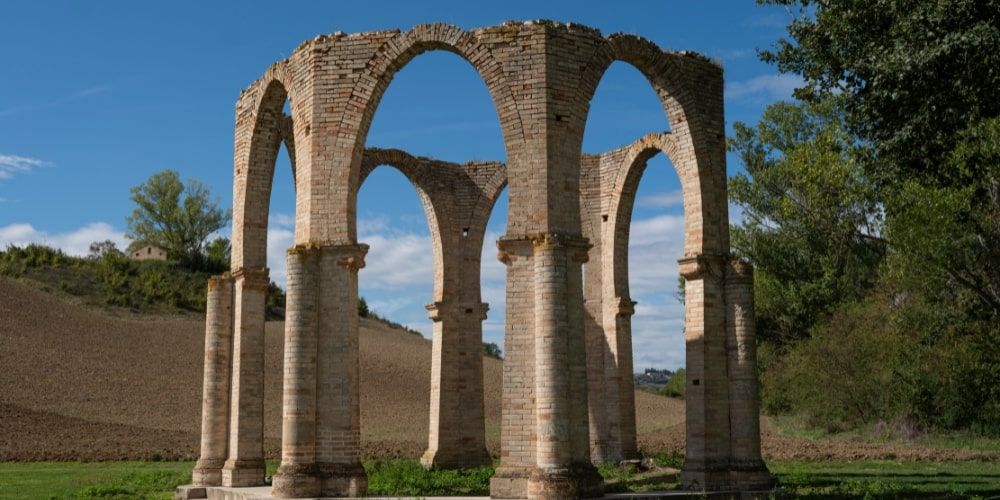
[(297, 475), (245, 466), (338, 417), (215, 389), (457, 436), (517, 424), (559, 351), (588, 481), (624, 309), (747, 468), (706, 463)]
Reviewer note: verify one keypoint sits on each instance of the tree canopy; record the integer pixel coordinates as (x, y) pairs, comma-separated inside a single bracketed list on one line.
[(177, 217)]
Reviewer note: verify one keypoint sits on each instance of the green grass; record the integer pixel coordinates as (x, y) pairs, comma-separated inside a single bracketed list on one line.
[(882, 479), (407, 477), (117, 480), (888, 479)]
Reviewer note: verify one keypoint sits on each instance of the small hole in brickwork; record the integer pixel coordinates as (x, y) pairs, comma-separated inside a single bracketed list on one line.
[(604, 217), (468, 311), (308, 129), (696, 382), (559, 118), (465, 232)]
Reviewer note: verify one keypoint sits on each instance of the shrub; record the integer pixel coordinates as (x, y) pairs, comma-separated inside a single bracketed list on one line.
[(676, 385)]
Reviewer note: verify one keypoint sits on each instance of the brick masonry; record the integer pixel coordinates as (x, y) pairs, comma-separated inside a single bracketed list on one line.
[(567, 377)]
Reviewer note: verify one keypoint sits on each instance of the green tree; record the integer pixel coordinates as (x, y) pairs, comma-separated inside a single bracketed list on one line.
[(175, 217), (217, 254), (811, 218), (913, 74), (492, 350), (676, 386)]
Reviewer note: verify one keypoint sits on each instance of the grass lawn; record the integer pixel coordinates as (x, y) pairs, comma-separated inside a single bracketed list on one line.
[(801, 479)]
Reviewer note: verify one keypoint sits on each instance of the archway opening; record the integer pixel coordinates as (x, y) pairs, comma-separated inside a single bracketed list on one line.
[(395, 285), (634, 321), (280, 237), (437, 106)]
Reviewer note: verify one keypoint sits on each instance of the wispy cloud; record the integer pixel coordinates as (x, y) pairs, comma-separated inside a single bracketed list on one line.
[(74, 242), (11, 165), (662, 200), (764, 87), (69, 98)]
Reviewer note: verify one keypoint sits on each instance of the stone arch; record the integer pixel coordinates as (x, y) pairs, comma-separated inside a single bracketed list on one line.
[(622, 200), (670, 75), (414, 171), (394, 55), (261, 128)]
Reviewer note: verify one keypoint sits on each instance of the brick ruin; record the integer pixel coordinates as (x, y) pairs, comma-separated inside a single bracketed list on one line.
[(568, 399)]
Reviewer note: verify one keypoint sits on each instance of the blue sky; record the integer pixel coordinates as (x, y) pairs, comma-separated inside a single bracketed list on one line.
[(95, 97)]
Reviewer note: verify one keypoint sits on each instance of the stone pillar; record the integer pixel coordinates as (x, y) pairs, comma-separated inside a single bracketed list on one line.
[(560, 463), (338, 417), (588, 481), (624, 309), (517, 425), (297, 475), (706, 463), (747, 468), (457, 436), (215, 389), (245, 465)]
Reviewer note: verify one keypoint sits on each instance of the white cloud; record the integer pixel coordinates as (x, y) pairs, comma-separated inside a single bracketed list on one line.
[(662, 200), (764, 87), (11, 165), (75, 242), (398, 261)]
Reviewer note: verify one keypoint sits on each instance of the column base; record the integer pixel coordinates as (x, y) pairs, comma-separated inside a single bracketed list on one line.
[(510, 482), (296, 481), (702, 478), (243, 473), (458, 459), (207, 472), (589, 482), (552, 484), (750, 475), (342, 480)]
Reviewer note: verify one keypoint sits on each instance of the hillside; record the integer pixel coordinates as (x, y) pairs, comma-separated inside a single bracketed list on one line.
[(79, 384)]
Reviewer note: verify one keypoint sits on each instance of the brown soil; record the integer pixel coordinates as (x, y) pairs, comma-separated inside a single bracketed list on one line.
[(78, 384)]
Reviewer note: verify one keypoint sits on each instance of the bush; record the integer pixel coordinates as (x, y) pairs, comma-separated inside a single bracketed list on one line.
[(676, 385), (851, 373)]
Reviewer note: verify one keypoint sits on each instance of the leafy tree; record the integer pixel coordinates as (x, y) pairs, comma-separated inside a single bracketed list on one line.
[(811, 219), (173, 216), (913, 74), (99, 248), (217, 254), (676, 385), (492, 350), (363, 310)]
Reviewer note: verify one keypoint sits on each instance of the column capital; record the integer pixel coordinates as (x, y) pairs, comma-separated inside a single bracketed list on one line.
[(221, 279), (739, 271), (256, 279), (626, 306), (437, 310), (702, 266), (511, 247), (350, 255)]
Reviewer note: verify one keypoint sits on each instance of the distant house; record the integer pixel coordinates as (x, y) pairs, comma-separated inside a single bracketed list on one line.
[(149, 252)]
